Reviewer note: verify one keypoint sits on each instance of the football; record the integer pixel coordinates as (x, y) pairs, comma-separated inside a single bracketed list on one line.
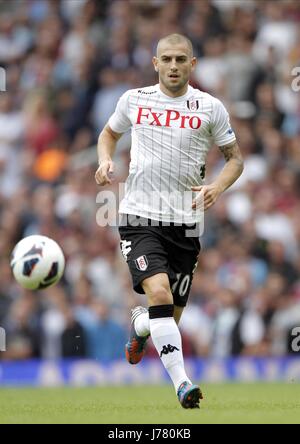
[(37, 262)]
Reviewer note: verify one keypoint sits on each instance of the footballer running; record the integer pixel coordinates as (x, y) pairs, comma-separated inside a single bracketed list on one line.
[(173, 127)]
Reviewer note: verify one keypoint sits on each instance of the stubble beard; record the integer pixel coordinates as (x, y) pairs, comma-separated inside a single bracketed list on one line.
[(174, 88)]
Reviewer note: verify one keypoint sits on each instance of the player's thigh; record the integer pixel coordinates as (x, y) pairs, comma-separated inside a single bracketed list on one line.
[(145, 255)]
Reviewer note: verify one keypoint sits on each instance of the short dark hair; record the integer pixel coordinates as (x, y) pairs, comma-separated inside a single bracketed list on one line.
[(176, 39)]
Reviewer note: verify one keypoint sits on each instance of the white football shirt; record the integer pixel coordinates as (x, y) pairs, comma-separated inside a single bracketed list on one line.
[(170, 141)]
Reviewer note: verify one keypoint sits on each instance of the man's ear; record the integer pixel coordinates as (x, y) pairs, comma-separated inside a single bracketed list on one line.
[(193, 63), (154, 61)]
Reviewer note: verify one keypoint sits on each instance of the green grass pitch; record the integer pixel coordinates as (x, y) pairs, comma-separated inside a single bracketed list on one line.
[(223, 403)]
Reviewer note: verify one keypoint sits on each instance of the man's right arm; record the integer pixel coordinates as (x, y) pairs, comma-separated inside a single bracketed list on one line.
[(106, 147)]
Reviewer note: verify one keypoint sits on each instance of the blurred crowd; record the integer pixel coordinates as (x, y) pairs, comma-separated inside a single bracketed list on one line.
[(67, 62)]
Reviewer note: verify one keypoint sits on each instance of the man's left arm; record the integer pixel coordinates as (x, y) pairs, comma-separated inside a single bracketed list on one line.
[(230, 173)]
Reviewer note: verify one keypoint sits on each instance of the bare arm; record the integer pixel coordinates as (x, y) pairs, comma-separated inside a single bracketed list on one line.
[(233, 168), (106, 147), (230, 173)]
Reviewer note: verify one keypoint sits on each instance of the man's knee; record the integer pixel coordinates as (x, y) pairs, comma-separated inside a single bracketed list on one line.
[(160, 296), (158, 291)]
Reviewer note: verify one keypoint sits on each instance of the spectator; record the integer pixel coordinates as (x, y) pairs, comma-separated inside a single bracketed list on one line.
[(105, 338)]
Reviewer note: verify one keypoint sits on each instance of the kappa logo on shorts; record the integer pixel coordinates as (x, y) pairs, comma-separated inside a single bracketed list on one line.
[(126, 248), (141, 263)]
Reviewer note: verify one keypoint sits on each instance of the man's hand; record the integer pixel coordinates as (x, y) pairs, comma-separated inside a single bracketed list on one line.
[(208, 194), (104, 172)]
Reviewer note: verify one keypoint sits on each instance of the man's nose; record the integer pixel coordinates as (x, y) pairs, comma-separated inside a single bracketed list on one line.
[(173, 65)]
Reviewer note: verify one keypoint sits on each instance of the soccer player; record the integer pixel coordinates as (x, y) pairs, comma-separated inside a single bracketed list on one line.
[(173, 127)]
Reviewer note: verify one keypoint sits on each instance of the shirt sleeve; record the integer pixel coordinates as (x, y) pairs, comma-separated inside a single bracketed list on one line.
[(222, 133), (119, 121)]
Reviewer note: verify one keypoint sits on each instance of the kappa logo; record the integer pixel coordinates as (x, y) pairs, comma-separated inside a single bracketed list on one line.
[(125, 248), (168, 349), (141, 263), (192, 105), (140, 91)]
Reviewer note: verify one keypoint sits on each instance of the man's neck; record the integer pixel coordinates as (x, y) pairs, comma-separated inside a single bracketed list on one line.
[(174, 94)]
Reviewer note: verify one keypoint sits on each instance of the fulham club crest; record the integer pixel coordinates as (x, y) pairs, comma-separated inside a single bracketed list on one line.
[(141, 263), (192, 105)]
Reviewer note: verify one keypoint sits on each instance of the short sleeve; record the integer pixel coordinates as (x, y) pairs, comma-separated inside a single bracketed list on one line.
[(221, 130), (119, 121)]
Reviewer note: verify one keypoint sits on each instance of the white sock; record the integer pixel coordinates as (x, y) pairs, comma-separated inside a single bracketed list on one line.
[(142, 325), (167, 341)]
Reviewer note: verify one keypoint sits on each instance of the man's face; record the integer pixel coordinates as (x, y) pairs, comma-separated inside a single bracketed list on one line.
[(174, 64)]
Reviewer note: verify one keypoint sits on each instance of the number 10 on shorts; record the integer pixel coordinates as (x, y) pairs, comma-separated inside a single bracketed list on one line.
[(182, 283)]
